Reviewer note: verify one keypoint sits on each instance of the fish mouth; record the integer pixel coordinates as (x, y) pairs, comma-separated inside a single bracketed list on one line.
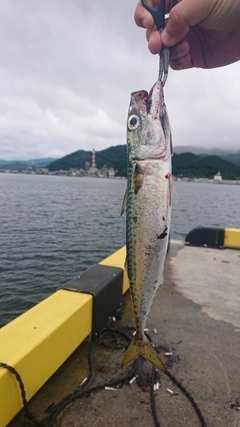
[(148, 103), (148, 118)]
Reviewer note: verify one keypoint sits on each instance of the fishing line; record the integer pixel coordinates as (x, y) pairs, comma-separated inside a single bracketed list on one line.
[(114, 338), (29, 416)]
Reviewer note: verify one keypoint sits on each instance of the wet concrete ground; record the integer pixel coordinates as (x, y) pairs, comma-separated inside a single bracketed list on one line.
[(197, 318)]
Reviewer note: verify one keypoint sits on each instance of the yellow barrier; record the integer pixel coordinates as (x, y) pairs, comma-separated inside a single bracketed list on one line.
[(117, 259), (38, 342), (232, 237)]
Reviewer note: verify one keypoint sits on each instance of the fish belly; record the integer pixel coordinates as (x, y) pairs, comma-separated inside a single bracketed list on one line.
[(148, 225)]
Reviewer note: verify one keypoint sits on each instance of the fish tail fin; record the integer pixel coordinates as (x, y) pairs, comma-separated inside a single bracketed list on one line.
[(145, 348)]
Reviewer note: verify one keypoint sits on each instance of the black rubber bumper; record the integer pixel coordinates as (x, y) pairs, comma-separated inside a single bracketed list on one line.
[(211, 237)]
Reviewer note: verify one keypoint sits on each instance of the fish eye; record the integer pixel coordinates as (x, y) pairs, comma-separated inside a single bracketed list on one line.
[(133, 122)]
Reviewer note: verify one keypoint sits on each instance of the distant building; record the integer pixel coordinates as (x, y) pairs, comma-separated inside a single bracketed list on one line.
[(93, 158), (87, 166), (42, 171), (103, 172), (93, 170), (217, 179), (111, 173)]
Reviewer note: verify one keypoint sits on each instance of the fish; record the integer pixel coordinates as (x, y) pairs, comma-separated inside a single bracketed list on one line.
[(148, 209)]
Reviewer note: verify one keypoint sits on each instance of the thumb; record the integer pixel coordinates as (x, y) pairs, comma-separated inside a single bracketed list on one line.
[(181, 17)]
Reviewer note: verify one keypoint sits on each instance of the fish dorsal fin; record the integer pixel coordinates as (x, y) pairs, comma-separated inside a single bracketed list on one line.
[(126, 265), (124, 203)]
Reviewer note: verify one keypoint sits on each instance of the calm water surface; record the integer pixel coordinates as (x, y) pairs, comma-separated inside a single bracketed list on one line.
[(52, 228)]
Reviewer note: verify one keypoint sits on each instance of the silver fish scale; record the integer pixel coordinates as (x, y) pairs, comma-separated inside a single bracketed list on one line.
[(148, 216), (148, 209)]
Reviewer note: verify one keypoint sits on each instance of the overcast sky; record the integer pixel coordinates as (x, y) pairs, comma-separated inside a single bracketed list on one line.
[(67, 68)]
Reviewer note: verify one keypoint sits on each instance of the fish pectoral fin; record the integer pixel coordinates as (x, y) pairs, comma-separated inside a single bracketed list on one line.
[(138, 347)]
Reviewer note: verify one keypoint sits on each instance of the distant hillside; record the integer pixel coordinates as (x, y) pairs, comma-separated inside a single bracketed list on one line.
[(216, 151), (24, 164), (14, 165), (224, 153), (191, 165), (232, 158), (180, 161), (73, 160), (185, 164), (115, 157)]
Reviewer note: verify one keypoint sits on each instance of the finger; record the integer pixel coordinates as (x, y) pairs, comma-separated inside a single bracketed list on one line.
[(143, 18), (182, 63), (168, 5), (184, 15), (154, 41), (179, 50)]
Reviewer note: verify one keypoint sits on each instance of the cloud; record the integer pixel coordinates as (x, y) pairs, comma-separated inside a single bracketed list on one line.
[(206, 110), (67, 70)]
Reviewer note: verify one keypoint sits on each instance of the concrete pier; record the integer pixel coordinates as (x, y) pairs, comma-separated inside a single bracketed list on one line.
[(196, 317)]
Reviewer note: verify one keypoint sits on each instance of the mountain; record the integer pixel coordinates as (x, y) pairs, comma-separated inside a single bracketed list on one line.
[(185, 164), (115, 157), (192, 166), (203, 151), (14, 164), (73, 160), (233, 158), (24, 164), (229, 155), (42, 163)]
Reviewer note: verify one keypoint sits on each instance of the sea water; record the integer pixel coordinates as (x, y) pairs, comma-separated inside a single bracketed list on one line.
[(54, 227)]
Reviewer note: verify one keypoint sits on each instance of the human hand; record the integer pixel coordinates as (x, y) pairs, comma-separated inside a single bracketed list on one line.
[(203, 33)]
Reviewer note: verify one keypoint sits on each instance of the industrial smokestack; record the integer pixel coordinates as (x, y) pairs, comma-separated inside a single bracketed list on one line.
[(93, 158)]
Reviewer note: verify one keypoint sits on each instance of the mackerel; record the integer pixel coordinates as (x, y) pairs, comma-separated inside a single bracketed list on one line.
[(148, 208)]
